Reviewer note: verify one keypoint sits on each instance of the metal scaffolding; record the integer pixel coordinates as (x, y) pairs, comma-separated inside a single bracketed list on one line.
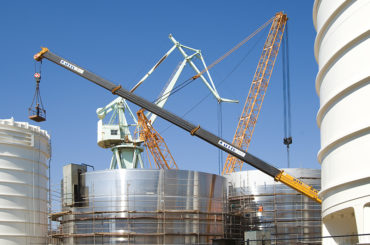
[(173, 207), (273, 208)]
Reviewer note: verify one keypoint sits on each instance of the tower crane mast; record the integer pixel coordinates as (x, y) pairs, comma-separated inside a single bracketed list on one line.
[(257, 91)]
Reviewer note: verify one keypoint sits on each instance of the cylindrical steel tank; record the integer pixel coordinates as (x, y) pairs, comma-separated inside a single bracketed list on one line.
[(342, 51), (258, 203), (141, 206), (24, 152)]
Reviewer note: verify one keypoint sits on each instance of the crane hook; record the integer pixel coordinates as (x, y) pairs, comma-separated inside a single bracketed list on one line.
[(36, 111)]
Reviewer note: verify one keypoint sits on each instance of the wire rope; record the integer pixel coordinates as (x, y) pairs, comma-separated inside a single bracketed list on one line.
[(222, 81), (286, 96), (235, 47), (219, 120), (189, 80)]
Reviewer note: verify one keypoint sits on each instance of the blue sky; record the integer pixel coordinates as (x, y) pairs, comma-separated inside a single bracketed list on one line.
[(121, 40)]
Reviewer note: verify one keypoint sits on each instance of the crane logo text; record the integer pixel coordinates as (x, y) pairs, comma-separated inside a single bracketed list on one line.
[(72, 67), (231, 148)]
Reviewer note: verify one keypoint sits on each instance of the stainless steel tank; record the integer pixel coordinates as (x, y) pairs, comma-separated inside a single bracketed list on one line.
[(139, 206), (258, 203)]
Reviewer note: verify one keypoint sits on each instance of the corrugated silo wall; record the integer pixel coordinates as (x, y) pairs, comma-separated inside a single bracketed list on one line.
[(24, 152), (342, 51)]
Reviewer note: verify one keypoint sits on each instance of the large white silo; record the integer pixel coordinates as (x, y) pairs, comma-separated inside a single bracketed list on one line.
[(24, 152), (342, 51)]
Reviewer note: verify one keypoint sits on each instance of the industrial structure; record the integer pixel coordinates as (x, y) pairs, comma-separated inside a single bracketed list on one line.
[(24, 154), (257, 91), (260, 208), (79, 197), (278, 175), (342, 48), (126, 135), (140, 207), (130, 203)]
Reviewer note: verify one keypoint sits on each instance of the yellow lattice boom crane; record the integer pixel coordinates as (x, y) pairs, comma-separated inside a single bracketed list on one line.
[(257, 91), (155, 143)]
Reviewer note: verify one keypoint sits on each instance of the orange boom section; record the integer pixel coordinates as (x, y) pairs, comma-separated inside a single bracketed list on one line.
[(154, 142), (257, 91)]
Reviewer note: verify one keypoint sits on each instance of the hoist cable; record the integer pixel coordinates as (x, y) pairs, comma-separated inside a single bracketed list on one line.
[(286, 95), (37, 96), (284, 88), (174, 90), (188, 81), (288, 83), (219, 120), (234, 48)]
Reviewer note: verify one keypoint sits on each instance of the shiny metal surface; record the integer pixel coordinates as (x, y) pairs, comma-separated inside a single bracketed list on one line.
[(274, 207), (139, 206)]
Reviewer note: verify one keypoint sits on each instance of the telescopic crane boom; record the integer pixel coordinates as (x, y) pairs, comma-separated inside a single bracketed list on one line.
[(180, 122)]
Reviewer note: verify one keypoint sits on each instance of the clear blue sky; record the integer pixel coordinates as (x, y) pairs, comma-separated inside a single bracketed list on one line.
[(121, 40)]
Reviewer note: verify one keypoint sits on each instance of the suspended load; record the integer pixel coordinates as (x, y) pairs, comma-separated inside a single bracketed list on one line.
[(36, 112)]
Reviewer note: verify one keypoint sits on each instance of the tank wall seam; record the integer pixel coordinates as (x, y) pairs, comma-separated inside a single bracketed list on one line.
[(335, 208), (326, 25), (38, 187), (25, 159), (316, 7), (24, 171), (24, 197), (24, 209), (335, 57), (341, 184), (337, 98), (331, 146)]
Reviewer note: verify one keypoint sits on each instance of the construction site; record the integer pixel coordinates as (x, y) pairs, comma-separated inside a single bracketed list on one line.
[(145, 194)]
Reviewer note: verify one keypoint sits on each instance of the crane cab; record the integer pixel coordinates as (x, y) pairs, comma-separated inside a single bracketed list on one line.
[(108, 135)]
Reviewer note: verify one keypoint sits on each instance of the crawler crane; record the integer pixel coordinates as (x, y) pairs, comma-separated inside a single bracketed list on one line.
[(257, 91), (180, 122)]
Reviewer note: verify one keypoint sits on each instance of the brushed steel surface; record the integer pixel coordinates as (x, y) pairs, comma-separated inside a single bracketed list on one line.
[(274, 207), (140, 206)]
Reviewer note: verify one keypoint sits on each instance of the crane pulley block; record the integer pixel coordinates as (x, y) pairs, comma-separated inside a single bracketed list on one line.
[(36, 111)]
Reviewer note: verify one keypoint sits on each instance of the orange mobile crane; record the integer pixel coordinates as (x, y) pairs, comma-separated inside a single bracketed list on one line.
[(257, 91)]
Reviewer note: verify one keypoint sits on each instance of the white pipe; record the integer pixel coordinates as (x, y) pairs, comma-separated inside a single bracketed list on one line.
[(167, 91), (153, 68)]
